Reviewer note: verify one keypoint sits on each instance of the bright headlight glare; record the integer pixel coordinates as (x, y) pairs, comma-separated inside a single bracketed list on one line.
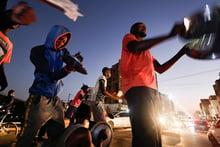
[(162, 120)]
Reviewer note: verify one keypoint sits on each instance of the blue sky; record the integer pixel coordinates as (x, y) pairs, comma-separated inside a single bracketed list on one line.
[(98, 35)]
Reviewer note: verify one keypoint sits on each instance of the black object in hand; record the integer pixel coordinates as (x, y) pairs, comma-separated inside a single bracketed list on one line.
[(73, 62), (79, 57)]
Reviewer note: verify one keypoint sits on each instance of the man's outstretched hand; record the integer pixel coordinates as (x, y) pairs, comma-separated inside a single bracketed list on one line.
[(23, 14)]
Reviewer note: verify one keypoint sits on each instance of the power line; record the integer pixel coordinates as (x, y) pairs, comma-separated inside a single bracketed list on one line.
[(191, 75)]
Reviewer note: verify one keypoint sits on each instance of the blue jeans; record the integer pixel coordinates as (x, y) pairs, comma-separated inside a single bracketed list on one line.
[(40, 110), (142, 102)]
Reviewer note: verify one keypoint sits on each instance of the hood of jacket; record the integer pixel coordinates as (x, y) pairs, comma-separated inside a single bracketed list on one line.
[(54, 34)]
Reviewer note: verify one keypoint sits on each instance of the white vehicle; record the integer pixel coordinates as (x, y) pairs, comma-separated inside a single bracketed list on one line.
[(214, 134), (121, 119)]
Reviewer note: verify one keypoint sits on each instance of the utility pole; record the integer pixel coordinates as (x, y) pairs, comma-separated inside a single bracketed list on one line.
[(69, 97)]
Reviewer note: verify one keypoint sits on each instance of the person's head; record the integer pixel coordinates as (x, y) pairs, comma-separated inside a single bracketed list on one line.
[(139, 30), (11, 92), (61, 41), (106, 72), (58, 38), (85, 88), (83, 115)]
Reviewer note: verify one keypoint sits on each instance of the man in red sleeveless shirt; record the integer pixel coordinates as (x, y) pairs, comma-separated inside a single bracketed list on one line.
[(80, 96), (139, 84)]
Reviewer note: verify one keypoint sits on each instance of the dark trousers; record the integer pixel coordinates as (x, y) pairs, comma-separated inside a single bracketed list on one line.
[(39, 110), (143, 104)]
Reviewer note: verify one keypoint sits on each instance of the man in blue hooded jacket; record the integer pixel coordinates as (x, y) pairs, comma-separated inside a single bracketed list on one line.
[(43, 103)]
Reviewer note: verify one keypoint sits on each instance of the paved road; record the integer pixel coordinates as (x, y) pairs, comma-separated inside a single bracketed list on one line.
[(170, 138), (122, 138), (5, 140)]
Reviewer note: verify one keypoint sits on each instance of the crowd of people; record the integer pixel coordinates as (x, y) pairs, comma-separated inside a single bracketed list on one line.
[(52, 62)]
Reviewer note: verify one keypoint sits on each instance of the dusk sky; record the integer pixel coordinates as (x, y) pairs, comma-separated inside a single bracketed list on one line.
[(98, 36)]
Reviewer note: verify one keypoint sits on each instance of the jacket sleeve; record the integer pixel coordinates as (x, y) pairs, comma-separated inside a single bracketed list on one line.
[(41, 64)]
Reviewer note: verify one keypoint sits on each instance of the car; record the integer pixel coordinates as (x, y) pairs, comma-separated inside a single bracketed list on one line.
[(214, 134), (201, 125), (119, 119)]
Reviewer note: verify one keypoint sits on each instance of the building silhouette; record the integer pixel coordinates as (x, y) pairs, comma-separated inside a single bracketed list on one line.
[(210, 107)]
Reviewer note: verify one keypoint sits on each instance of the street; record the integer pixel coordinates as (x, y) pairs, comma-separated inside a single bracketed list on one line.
[(184, 138), (189, 139), (122, 137)]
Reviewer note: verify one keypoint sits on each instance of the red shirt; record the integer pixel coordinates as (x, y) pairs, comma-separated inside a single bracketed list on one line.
[(5, 49), (76, 101), (136, 69)]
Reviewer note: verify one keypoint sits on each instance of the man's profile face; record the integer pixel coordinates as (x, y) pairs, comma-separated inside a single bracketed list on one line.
[(141, 31), (108, 73), (61, 42)]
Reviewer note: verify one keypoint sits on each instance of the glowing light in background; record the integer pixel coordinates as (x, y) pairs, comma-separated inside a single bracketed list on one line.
[(186, 22)]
